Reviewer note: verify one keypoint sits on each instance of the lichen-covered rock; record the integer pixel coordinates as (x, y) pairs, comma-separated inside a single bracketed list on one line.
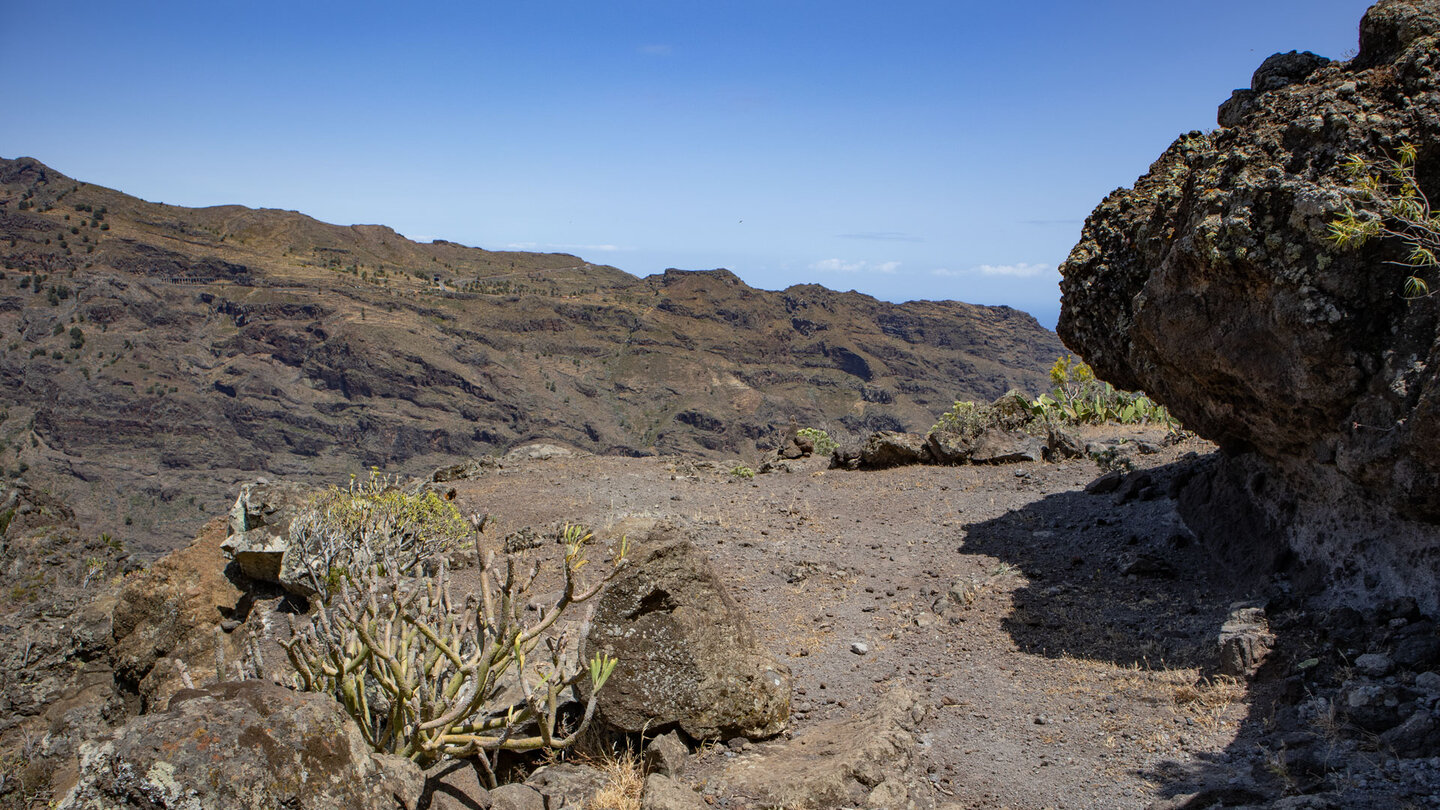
[(666, 793), (666, 755), (998, 446), (1213, 286), (688, 657), (260, 527), (949, 446), (1245, 640), (567, 784), (893, 449), (242, 746)]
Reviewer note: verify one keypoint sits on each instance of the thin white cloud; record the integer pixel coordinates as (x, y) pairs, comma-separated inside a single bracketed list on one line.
[(1020, 270), (836, 266), (595, 248), (546, 246), (842, 266)]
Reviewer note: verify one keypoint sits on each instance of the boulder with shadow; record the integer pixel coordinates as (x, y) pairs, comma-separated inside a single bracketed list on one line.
[(688, 657)]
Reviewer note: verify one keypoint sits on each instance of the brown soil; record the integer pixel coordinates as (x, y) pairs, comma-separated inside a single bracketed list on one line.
[(1065, 683)]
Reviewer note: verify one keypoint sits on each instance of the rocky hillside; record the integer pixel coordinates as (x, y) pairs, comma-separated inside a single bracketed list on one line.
[(153, 356), (1214, 285)]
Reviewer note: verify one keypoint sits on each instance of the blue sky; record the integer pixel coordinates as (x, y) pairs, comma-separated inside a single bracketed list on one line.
[(903, 149)]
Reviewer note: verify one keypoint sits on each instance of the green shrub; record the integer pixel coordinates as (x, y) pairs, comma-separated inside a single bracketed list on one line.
[(1386, 201), (1077, 398), (824, 445), (742, 471), (373, 522)]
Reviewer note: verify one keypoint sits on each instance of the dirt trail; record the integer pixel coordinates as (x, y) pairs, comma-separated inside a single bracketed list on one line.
[(1055, 678)]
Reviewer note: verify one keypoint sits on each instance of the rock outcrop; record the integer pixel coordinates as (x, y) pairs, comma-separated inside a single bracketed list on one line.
[(689, 658), (56, 682), (172, 612), (1213, 285), (250, 745), (260, 527), (859, 761)]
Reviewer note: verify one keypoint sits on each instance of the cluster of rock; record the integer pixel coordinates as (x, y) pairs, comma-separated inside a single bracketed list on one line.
[(1357, 722), (1004, 437), (1214, 285), (996, 446), (1394, 688), (692, 663), (247, 744)]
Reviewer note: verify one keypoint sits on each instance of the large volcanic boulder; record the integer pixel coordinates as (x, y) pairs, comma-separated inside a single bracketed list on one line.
[(1213, 286), (242, 746), (688, 657)]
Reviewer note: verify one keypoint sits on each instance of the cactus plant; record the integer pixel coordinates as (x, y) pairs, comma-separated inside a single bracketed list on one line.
[(426, 675)]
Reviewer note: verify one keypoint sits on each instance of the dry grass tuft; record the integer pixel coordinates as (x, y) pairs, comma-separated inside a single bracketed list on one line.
[(624, 782), (1218, 692)]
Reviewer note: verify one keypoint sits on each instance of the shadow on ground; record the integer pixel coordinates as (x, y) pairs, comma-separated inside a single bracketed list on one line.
[(1116, 576)]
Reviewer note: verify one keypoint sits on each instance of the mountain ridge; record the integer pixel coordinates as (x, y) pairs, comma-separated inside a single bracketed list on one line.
[(264, 341)]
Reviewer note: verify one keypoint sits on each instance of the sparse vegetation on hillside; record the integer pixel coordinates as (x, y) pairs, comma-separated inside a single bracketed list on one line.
[(1386, 200), (425, 676)]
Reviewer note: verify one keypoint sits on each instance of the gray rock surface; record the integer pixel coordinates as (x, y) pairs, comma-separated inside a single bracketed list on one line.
[(260, 527), (1245, 640), (1213, 286), (664, 793), (948, 446), (893, 449), (688, 656), (1006, 447), (249, 746), (516, 797), (566, 784), (666, 755), (454, 785), (860, 761)]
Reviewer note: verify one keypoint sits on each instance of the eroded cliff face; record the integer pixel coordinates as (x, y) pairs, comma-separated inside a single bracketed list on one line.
[(1213, 285)]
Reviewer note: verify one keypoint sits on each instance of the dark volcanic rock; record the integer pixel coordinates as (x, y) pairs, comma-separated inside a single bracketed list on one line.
[(998, 446), (949, 446), (688, 656), (1213, 286), (243, 746), (893, 449)]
